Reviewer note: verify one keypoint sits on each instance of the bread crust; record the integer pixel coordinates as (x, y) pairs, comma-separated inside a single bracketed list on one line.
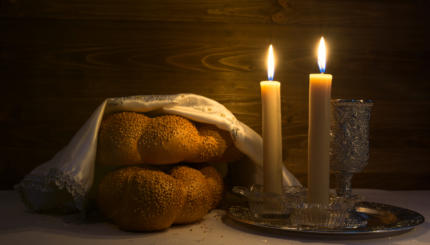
[(145, 199), (129, 138)]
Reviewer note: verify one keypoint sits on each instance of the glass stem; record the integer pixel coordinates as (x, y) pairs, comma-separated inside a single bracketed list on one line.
[(343, 184)]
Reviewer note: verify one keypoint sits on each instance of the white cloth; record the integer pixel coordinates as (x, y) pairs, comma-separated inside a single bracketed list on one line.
[(19, 227), (63, 182)]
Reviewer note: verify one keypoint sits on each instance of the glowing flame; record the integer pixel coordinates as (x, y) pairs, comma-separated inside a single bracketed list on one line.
[(322, 55), (270, 64)]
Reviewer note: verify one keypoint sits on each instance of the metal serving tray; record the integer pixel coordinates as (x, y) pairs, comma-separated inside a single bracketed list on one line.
[(382, 220)]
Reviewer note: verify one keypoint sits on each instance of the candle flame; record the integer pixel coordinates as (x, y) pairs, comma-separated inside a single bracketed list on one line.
[(270, 64), (322, 55)]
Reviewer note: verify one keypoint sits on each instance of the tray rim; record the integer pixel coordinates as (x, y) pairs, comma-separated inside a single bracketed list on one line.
[(335, 232)]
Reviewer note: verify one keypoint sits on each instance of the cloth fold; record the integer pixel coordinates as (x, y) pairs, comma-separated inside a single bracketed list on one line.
[(64, 181)]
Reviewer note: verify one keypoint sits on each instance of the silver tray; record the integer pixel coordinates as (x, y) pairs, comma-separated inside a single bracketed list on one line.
[(382, 220)]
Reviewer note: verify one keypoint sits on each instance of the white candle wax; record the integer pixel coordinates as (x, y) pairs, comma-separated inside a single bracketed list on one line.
[(272, 136), (318, 138)]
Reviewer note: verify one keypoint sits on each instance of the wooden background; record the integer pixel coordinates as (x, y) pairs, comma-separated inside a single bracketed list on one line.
[(59, 59)]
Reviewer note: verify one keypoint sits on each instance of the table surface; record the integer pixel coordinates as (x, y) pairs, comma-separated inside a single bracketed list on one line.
[(19, 226)]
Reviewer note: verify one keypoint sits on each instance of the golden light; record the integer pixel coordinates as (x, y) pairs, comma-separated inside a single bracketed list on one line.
[(270, 64), (322, 55)]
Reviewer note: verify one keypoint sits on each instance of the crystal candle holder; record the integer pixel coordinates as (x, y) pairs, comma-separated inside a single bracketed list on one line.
[(266, 205), (291, 208), (339, 213)]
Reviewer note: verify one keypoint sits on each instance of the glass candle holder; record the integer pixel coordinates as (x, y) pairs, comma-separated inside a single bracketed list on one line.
[(349, 141), (292, 209)]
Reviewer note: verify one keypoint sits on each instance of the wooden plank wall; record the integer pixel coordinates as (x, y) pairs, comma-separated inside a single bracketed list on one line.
[(60, 58)]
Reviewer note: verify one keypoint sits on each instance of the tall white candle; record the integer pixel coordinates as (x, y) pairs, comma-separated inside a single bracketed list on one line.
[(272, 131), (319, 129)]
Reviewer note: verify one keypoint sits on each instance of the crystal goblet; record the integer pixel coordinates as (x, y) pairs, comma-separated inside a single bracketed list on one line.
[(349, 141)]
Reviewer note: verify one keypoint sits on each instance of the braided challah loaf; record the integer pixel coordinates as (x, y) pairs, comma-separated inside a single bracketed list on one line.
[(129, 138), (147, 199)]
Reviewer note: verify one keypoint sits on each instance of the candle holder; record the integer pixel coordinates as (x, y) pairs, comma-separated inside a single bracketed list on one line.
[(266, 205), (349, 141), (291, 209)]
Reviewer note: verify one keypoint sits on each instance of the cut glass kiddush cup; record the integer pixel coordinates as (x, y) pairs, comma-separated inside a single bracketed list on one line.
[(349, 141)]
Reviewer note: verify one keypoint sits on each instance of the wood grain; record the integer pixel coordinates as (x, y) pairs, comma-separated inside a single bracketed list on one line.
[(59, 59)]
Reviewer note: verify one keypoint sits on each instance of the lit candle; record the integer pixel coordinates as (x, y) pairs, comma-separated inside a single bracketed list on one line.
[(272, 136), (319, 129)]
